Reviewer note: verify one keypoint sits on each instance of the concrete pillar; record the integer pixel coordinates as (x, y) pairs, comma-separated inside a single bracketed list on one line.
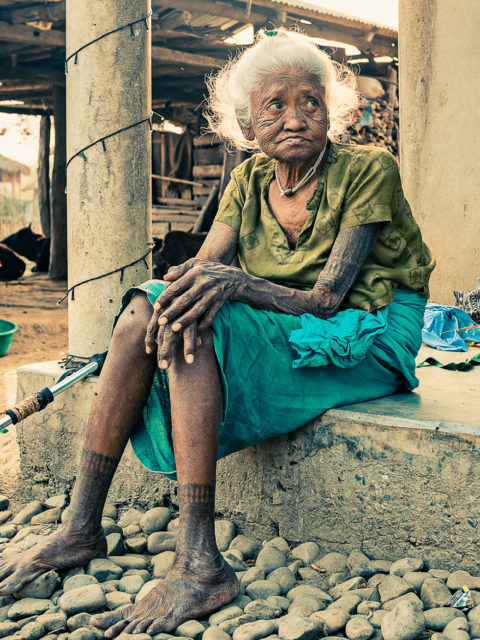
[(109, 219), (440, 136)]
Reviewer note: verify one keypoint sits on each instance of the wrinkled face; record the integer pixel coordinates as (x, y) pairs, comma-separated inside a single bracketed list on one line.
[(290, 117)]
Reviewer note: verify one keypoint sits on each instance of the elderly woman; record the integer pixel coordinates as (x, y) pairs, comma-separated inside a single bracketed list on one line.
[(325, 309)]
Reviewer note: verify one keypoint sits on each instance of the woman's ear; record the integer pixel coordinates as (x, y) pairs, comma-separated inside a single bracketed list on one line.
[(247, 131)]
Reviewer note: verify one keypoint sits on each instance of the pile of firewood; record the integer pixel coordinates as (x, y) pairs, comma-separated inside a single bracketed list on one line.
[(383, 132)]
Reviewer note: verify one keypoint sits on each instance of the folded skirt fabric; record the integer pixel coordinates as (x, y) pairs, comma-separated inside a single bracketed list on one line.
[(264, 395)]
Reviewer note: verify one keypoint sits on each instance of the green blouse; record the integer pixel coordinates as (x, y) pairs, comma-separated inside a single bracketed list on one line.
[(358, 185)]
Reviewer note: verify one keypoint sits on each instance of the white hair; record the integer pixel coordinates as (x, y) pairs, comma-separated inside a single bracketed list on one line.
[(230, 89)]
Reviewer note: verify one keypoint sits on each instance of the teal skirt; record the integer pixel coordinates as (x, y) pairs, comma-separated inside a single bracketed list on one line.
[(264, 395)]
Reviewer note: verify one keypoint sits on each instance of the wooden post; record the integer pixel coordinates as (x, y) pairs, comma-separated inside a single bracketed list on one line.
[(43, 175), (58, 246), (392, 95)]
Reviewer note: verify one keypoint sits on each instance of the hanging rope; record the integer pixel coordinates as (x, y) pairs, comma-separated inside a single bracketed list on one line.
[(104, 275), (129, 25)]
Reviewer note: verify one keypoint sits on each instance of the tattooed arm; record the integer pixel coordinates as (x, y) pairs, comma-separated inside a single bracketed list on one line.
[(349, 253), (199, 287)]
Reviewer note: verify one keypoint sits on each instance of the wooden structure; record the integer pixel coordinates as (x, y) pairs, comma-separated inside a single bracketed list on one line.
[(11, 173), (190, 38)]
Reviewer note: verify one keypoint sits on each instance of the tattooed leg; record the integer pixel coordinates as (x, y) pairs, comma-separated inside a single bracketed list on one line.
[(117, 405), (200, 580)]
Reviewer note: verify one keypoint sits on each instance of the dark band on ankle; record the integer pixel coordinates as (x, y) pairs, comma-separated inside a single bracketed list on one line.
[(98, 463), (194, 494)]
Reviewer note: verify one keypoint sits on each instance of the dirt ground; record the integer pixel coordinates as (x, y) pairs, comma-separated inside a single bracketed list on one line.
[(42, 335)]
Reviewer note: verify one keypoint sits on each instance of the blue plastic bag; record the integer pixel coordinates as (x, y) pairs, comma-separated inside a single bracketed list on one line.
[(448, 328)]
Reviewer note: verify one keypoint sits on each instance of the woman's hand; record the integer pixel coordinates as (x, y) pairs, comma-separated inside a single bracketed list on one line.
[(193, 294), (198, 289), (168, 341)]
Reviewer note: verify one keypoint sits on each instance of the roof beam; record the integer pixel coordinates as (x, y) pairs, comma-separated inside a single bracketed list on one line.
[(25, 73), (24, 94), (35, 12), (24, 110), (31, 35), (182, 58), (216, 9)]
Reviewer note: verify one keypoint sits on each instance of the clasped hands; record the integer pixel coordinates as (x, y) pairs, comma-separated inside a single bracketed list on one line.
[(193, 294)]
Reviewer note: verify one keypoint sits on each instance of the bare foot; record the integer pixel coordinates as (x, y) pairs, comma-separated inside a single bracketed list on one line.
[(61, 550), (183, 595)]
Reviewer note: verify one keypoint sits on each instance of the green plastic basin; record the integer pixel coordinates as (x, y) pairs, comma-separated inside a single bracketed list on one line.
[(7, 329)]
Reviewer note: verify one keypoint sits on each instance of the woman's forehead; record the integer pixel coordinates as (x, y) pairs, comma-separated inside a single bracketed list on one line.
[(280, 83)]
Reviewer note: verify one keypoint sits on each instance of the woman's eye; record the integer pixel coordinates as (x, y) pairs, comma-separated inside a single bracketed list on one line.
[(312, 102), (275, 106)]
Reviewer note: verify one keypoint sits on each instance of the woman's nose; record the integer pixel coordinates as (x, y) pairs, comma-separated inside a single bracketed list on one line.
[(294, 121)]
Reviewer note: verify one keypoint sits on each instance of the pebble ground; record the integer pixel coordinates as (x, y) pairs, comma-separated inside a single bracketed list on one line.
[(288, 593)]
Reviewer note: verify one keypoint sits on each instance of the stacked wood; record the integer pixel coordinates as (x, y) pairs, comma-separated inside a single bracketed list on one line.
[(208, 163), (383, 132)]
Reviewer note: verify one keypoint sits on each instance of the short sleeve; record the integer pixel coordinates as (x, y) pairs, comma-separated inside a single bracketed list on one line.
[(231, 205), (370, 195)]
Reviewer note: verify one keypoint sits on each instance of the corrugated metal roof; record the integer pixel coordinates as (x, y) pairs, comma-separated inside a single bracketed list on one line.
[(300, 4)]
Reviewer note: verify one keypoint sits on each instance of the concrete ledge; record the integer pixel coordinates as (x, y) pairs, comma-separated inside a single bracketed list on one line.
[(393, 477)]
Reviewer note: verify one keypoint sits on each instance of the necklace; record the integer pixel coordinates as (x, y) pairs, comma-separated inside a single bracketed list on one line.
[(289, 192)]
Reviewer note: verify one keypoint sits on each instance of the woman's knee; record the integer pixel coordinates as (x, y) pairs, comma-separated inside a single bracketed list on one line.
[(133, 321)]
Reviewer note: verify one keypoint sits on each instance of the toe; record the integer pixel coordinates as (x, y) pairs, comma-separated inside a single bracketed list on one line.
[(106, 620), (5, 571), (13, 582), (131, 625), (116, 630), (142, 625), (157, 627)]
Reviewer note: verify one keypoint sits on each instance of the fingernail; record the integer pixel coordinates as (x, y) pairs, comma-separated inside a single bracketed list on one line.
[(156, 306), (199, 342), (148, 349), (163, 364), (176, 326), (163, 321), (189, 358)]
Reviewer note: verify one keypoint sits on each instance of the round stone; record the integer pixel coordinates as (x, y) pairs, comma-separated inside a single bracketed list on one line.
[(251, 575), (88, 598), (333, 619), (359, 629), (41, 587), (80, 580), (115, 544), (103, 569), (308, 552), (137, 544), (155, 519), (161, 541), (270, 559), (162, 564), (131, 584), (261, 589), (284, 578), (405, 622), (29, 607), (404, 565), (116, 599), (248, 546), (224, 533), (110, 511), (131, 516), (332, 562)]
